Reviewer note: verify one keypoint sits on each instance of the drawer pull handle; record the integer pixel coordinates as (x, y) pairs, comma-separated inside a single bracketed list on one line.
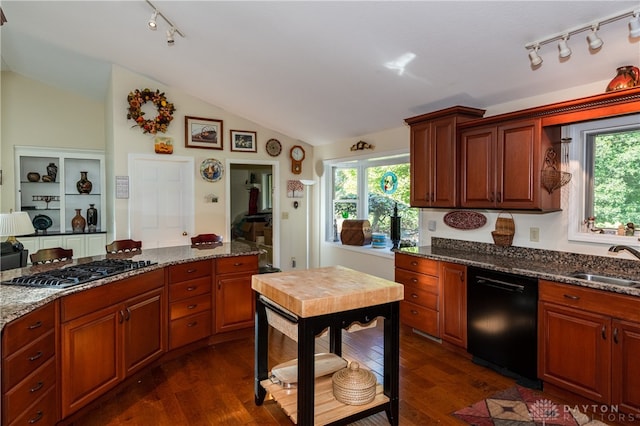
[(414, 312), (604, 332), (191, 271), (414, 263), (127, 314), (192, 324), (36, 356), (413, 295), (615, 335), (35, 325), (238, 264), (192, 306), (121, 319), (192, 288), (414, 280), (37, 418), (571, 297), (37, 387)]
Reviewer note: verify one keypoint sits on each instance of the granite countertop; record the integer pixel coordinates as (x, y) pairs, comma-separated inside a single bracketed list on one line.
[(543, 264), (334, 289), (16, 300)]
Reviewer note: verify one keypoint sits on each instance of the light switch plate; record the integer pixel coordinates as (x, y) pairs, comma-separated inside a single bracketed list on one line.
[(431, 225), (534, 234)]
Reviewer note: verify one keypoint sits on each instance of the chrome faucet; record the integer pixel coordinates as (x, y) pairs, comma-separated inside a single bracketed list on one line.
[(615, 249)]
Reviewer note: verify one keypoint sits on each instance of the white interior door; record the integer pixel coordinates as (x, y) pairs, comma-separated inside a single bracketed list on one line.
[(161, 201)]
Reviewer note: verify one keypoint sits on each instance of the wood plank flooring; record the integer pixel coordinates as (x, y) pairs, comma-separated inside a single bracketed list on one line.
[(214, 385)]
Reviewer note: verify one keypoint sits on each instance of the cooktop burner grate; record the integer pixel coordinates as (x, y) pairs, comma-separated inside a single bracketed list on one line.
[(80, 273)]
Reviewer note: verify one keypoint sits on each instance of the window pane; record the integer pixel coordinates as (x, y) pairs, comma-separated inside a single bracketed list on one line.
[(382, 199), (616, 178), (345, 183)]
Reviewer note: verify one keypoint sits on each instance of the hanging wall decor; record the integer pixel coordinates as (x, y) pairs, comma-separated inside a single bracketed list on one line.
[(159, 123)]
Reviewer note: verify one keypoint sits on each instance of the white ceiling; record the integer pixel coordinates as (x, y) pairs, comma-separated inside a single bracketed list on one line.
[(315, 70)]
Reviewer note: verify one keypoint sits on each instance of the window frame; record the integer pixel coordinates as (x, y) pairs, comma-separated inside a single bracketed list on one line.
[(580, 133), (361, 162)]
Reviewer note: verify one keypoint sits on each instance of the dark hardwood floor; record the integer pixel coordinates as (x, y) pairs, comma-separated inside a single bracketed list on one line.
[(214, 385)]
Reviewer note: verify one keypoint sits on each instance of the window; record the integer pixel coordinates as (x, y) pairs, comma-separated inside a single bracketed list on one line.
[(607, 157), (369, 189)]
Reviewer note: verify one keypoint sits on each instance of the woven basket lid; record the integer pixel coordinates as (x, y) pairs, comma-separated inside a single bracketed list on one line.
[(354, 377)]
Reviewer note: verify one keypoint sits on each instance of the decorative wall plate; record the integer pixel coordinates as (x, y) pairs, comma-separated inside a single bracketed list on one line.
[(273, 147), (211, 170), (42, 222), (465, 220)]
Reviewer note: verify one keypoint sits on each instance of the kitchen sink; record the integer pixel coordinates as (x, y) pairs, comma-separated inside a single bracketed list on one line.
[(606, 279)]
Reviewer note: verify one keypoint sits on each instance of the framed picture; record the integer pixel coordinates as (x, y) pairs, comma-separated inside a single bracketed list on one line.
[(242, 140), (202, 133)]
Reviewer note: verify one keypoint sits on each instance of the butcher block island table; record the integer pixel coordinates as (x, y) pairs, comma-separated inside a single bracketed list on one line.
[(314, 299)]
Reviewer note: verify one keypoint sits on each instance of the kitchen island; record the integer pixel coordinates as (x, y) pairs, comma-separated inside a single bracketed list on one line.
[(333, 297)]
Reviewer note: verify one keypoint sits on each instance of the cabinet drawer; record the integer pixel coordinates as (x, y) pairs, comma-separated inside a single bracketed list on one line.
[(420, 318), (417, 264), (192, 305), (598, 301), (42, 412), (190, 288), (17, 366), (189, 329), (420, 297), (28, 328), (229, 265), (18, 398), (419, 281), (190, 271)]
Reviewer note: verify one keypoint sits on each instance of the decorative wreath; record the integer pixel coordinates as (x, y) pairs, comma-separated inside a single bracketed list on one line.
[(165, 109)]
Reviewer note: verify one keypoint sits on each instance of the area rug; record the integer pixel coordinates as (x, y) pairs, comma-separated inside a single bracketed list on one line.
[(522, 406)]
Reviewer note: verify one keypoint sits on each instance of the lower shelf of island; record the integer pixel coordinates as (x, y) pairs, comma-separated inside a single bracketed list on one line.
[(327, 408)]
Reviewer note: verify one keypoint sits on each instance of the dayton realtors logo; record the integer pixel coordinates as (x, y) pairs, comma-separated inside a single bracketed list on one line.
[(546, 412)]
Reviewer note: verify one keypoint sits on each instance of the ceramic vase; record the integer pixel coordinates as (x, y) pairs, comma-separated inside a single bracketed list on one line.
[(52, 172), (78, 222), (33, 176), (92, 218), (84, 185), (626, 77)]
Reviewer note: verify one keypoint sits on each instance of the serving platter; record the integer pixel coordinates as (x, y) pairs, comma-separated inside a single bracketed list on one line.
[(465, 220)]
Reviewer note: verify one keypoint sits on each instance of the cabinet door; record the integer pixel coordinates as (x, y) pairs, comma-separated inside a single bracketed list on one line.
[(517, 180), (420, 165), (443, 162), (478, 167), (453, 308), (91, 361), (574, 350), (235, 304), (145, 330), (626, 368)]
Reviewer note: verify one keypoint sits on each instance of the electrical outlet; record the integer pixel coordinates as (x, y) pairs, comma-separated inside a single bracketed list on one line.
[(432, 225), (285, 215), (293, 262), (534, 234)]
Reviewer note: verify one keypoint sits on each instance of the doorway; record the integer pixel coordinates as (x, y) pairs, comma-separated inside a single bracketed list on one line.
[(253, 205)]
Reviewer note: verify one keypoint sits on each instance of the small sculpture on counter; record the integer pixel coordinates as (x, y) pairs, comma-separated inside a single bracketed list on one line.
[(395, 228), (630, 229)]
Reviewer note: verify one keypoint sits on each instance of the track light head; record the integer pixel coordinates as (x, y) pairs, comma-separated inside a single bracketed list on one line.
[(153, 25), (170, 32), (535, 59), (595, 42), (634, 24), (563, 47)]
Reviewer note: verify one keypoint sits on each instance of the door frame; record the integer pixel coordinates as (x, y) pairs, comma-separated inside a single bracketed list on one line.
[(275, 201)]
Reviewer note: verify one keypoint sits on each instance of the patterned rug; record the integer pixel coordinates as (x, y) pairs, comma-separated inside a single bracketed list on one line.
[(522, 406)]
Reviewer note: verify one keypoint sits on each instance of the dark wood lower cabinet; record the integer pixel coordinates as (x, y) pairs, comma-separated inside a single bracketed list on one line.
[(235, 302)]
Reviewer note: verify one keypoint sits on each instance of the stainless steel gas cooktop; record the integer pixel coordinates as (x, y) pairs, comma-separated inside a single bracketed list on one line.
[(80, 273)]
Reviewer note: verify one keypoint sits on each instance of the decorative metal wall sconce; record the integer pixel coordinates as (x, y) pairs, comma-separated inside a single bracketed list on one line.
[(361, 146)]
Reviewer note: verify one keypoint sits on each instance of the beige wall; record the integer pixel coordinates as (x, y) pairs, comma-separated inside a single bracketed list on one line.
[(39, 115)]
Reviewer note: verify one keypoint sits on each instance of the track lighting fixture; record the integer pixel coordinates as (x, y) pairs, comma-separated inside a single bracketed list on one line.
[(170, 32), (634, 24), (593, 40), (153, 24), (563, 47)]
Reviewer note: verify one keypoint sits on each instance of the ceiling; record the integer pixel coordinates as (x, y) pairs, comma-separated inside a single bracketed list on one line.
[(315, 71)]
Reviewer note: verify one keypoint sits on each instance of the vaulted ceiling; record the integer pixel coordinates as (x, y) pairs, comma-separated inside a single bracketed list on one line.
[(316, 70)]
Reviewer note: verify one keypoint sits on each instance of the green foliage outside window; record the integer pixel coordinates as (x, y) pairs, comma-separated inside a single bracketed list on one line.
[(616, 180)]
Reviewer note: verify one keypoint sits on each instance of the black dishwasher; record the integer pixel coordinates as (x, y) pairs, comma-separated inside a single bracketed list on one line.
[(502, 314)]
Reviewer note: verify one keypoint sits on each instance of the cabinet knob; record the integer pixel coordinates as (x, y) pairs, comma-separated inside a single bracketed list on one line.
[(192, 288), (191, 271), (414, 280), (192, 324), (414, 312), (414, 296), (192, 306)]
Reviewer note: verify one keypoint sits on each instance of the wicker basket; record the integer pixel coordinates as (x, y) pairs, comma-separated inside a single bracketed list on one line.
[(353, 385), (505, 229)]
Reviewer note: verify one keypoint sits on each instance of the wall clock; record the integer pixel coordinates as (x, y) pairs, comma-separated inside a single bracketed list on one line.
[(297, 155), (273, 147)]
